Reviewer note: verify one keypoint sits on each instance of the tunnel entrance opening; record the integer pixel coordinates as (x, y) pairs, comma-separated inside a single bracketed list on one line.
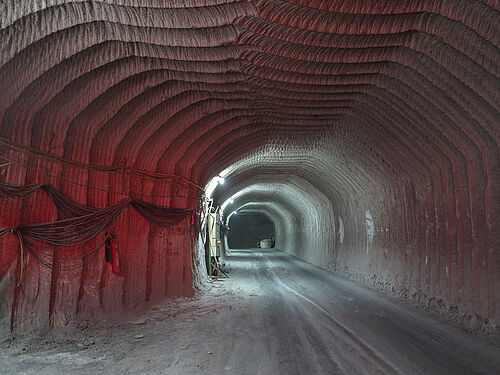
[(247, 230)]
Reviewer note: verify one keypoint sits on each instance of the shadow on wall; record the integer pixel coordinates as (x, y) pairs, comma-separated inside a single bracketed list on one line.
[(247, 230)]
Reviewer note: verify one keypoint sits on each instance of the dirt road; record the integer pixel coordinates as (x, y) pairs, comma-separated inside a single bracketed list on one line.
[(274, 315)]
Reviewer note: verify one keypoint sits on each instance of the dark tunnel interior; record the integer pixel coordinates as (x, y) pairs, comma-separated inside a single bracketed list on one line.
[(246, 230)]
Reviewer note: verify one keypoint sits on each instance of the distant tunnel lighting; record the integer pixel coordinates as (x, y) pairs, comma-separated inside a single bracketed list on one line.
[(229, 217), (209, 190), (225, 204)]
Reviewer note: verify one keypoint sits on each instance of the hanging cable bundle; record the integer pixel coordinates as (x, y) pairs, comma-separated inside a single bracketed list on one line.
[(44, 240), (161, 216), (66, 207), (74, 231), (69, 208), (80, 224), (47, 257), (19, 191)]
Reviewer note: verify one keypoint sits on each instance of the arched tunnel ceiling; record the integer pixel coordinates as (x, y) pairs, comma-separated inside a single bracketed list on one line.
[(368, 130), (342, 94)]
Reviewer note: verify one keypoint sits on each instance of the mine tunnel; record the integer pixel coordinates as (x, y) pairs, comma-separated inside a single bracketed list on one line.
[(305, 186), (248, 229)]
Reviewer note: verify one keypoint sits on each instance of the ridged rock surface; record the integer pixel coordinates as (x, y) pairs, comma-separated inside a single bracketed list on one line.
[(367, 130)]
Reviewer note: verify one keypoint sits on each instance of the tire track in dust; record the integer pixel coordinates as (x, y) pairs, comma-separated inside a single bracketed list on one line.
[(389, 367)]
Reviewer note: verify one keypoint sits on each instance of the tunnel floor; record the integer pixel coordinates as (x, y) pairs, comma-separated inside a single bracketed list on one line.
[(274, 315)]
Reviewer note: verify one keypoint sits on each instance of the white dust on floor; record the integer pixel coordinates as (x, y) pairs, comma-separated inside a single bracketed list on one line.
[(161, 337)]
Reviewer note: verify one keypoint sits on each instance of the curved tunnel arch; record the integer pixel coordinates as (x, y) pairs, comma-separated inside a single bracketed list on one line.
[(301, 208), (322, 115), (279, 216)]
